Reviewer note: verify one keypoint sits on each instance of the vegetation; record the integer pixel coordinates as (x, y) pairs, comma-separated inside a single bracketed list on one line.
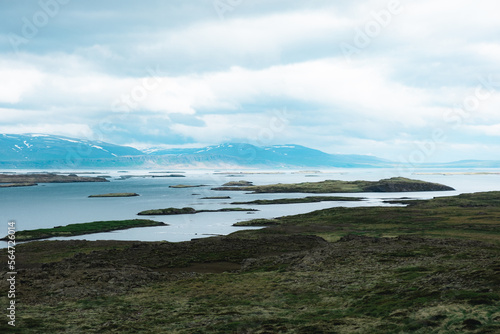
[(473, 216), (430, 267), (395, 184), (185, 211), (308, 199), (115, 195), (84, 228)]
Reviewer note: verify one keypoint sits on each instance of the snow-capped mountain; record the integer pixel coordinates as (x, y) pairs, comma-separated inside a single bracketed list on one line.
[(49, 151), (33, 147), (277, 155)]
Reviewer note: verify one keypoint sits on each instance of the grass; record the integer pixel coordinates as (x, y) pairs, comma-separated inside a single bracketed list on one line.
[(186, 211), (348, 290), (84, 228), (470, 216), (395, 184)]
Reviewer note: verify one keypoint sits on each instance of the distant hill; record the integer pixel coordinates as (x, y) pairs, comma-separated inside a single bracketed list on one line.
[(289, 155), (49, 151)]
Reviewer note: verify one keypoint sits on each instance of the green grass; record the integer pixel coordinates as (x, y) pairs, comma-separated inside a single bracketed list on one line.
[(470, 216), (351, 290), (84, 228)]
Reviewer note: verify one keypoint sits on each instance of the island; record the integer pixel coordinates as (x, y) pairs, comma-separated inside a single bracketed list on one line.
[(217, 197), (19, 180), (114, 195), (187, 210), (181, 186), (241, 183), (83, 228), (308, 199), (395, 184)]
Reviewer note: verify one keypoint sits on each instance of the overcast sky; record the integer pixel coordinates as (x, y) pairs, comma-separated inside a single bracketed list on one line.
[(403, 80)]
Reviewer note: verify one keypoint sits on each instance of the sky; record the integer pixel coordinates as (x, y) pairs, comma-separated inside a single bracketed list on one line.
[(409, 81)]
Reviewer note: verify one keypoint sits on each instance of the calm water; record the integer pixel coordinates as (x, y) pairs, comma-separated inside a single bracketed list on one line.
[(50, 205)]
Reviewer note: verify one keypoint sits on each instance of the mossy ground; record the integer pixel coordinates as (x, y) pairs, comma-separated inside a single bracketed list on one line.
[(442, 277)]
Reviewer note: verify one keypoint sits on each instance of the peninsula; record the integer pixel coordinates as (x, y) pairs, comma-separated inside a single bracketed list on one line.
[(84, 228)]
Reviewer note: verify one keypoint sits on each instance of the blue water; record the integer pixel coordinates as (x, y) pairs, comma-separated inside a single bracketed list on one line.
[(49, 205)]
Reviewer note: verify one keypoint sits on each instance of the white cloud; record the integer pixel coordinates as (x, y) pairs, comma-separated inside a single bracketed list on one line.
[(70, 130), (490, 130), (17, 82)]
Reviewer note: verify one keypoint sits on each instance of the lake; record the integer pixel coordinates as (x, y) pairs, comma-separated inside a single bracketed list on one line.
[(49, 205)]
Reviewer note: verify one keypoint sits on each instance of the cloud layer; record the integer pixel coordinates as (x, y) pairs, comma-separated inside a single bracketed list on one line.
[(365, 77)]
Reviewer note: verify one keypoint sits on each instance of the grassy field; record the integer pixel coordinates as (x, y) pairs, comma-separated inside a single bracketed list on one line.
[(430, 267), (471, 216)]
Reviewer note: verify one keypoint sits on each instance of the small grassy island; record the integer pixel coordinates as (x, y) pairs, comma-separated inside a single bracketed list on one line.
[(182, 186), (20, 180), (186, 211), (84, 228), (308, 199), (240, 183), (114, 195), (395, 184), (430, 267)]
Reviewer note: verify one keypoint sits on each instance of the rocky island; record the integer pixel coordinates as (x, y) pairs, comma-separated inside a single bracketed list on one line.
[(114, 195), (395, 184), (186, 211)]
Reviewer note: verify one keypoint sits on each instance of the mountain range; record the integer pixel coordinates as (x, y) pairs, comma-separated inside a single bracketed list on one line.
[(50, 151)]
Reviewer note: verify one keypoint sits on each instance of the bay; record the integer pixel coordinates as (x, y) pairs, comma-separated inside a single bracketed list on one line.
[(49, 205)]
